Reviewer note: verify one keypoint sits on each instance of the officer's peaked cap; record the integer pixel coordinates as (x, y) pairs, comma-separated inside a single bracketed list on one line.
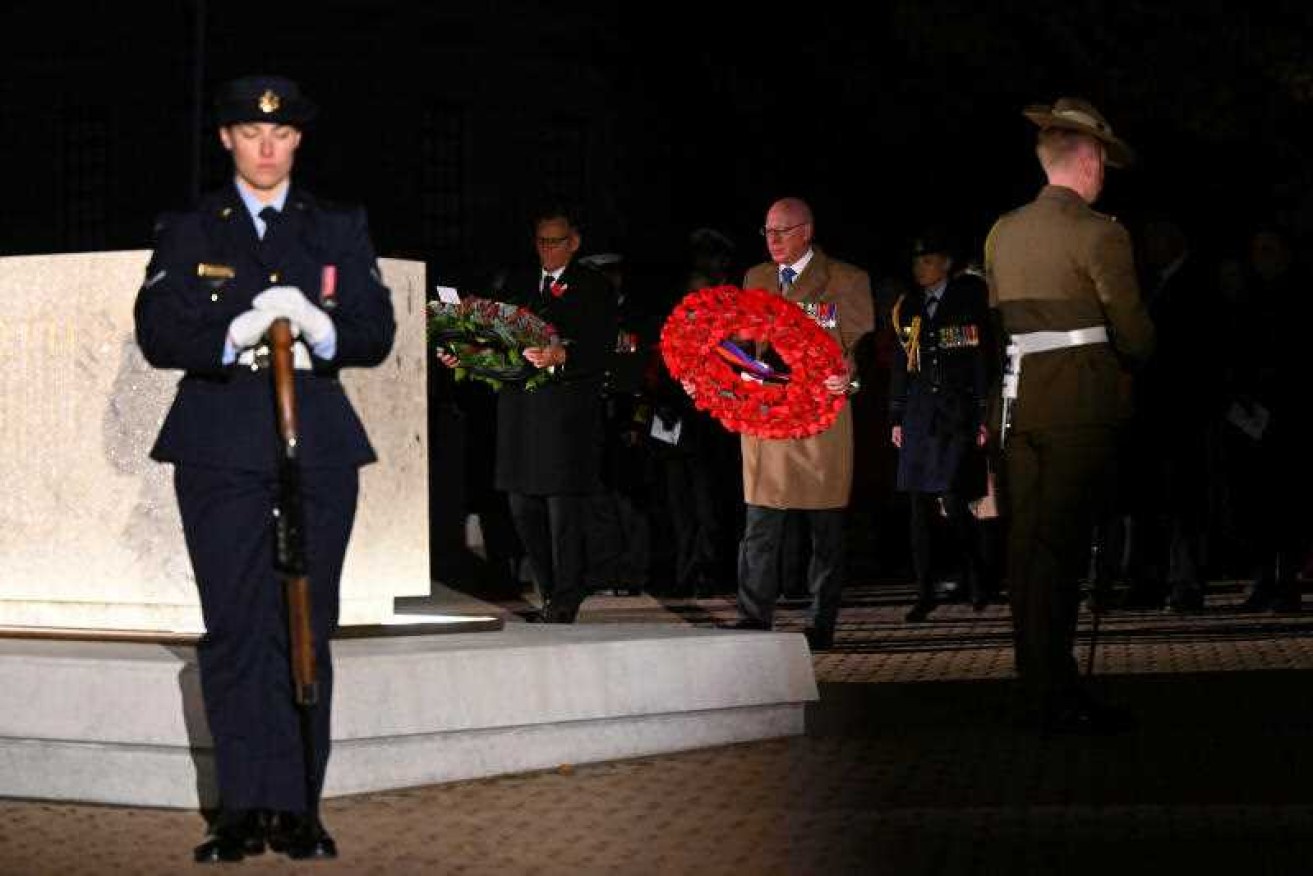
[(274, 99)]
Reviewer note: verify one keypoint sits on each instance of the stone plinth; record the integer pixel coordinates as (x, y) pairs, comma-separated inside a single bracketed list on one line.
[(407, 711), (89, 529)]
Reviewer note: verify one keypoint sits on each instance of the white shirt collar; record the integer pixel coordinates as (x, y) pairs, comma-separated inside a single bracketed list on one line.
[(800, 265), (937, 291)]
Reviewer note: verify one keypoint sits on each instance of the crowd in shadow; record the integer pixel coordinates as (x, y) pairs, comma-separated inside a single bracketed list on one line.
[(1211, 482)]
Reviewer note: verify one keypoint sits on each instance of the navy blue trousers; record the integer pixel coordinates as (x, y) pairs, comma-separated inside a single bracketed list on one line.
[(246, 681)]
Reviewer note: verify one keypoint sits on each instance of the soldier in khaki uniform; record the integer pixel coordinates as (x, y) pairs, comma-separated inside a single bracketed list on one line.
[(1062, 278), (808, 475)]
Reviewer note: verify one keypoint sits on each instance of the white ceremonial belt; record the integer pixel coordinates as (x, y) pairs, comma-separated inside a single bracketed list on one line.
[(1042, 342), (257, 358)]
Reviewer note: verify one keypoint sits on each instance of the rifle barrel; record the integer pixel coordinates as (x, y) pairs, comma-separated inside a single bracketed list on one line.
[(290, 543)]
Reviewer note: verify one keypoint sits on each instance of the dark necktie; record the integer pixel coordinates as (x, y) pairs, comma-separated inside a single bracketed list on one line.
[(270, 215), (546, 290), (787, 276), (931, 305)]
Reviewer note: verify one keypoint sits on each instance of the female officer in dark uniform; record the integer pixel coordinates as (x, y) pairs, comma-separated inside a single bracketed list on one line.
[(937, 409), (258, 249)]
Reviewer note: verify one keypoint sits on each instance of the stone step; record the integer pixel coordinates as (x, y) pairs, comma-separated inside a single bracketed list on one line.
[(123, 723)]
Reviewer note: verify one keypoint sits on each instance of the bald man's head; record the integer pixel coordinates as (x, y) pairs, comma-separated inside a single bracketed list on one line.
[(788, 230)]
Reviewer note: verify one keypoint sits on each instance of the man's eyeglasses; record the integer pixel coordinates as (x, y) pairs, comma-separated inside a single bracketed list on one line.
[(552, 242), (779, 232)]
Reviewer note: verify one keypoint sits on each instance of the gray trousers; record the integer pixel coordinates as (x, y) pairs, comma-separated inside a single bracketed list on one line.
[(759, 564)]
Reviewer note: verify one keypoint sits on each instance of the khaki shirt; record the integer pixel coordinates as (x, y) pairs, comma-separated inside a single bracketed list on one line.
[(817, 472), (1057, 265)]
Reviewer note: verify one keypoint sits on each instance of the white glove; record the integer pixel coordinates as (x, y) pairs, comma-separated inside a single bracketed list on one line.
[(248, 328), (314, 325)]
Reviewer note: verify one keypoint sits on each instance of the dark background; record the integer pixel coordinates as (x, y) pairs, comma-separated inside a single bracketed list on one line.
[(448, 121)]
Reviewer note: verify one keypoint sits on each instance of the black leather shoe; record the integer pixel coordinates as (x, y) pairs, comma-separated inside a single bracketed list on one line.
[(300, 837), (235, 836), (555, 613), (819, 640), (742, 623), (919, 613)]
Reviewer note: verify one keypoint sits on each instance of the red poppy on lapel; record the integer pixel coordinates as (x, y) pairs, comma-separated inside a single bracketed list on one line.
[(558, 288)]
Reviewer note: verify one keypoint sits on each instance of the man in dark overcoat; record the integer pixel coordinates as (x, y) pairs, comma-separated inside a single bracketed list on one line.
[(258, 249), (549, 439)]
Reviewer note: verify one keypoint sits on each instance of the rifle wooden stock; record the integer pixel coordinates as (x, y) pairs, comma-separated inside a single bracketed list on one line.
[(289, 536)]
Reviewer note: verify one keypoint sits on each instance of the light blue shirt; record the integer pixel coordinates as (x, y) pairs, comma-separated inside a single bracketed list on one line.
[(253, 205), (933, 296), (325, 349)]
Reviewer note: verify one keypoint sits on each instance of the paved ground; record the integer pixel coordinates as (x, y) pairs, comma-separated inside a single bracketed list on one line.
[(910, 765)]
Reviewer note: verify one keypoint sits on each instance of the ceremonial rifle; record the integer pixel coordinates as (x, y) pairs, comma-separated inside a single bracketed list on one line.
[(290, 536), (289, 551)]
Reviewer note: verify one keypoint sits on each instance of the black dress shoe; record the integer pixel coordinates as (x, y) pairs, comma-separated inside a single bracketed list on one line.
[(219, 849), (555, 613), (235, 836), (819, 640), (742, 623), (919, 612), (300, 837)]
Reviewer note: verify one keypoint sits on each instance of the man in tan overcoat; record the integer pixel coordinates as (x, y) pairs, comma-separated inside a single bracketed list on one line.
[(809, 476), (1062, 278)]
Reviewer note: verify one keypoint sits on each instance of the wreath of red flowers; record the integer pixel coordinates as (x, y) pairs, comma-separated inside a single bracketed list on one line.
[(488, 338), (701, 343)]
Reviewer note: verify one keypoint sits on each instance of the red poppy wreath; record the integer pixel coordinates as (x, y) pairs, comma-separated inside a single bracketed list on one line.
[(707, 342)]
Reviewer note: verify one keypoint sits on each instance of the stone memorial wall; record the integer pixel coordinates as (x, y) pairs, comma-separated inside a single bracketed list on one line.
[(89, 528)]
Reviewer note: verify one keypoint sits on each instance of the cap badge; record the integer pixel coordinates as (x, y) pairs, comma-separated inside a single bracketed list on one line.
[(269, 102)]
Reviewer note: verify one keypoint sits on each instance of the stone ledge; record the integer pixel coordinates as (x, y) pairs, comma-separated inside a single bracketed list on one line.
[(123, 723)]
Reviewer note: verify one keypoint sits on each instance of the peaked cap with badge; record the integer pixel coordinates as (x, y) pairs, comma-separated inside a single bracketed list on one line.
[(273, 99), (934, 241)]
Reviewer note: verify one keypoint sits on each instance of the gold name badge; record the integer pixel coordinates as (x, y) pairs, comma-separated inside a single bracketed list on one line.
[(215, 272)]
